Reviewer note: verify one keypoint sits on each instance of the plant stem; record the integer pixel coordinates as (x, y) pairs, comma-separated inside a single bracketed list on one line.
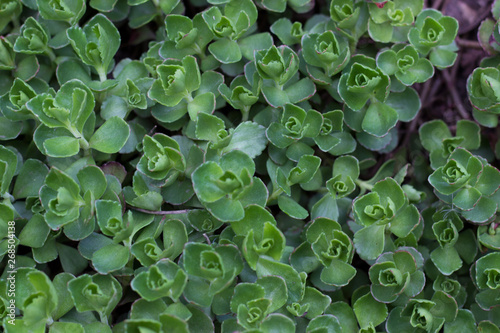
[(103, 317), (102, 74), (364, 186), (50, 54), (84, 144), (274, 195), (244, 113), (199, 51), (189, 97)]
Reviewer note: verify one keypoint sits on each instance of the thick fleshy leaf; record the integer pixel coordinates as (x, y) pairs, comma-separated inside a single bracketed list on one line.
[(379, 119), (110, 258), (369, 311), (225, 50), (249, 138), (292, 208), (446, 259), (295, 285), (338, 273), (111, 136), (369, 241)]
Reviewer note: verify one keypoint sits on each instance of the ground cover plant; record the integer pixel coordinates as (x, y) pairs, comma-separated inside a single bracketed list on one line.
[(249, 166)]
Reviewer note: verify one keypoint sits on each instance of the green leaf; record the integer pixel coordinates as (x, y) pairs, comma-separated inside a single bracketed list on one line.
[(8, 160), (91, 178), (201, 103), (406, 103), (164, 279), (369, 241), (463, 323), (369, 311), (99, 293), (110, 258), (249, 138), (30, 179), (292, 208), (255, 42), (442, 58), (305, 170), (321, 322), (294, 282), (96, 44), (111, 136), (446, 259), (208, 127), (225, 50), (379, 119), (338, 273), (35, 232), (301, 90), (70, 11)]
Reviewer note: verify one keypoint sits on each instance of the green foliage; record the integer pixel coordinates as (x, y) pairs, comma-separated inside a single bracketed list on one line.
[(240, 166)]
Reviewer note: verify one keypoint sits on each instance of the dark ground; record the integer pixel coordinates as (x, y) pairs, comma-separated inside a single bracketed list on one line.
[(445, 95)]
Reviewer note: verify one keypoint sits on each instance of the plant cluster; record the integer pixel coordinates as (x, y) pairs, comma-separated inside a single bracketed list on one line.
[(219, 169)]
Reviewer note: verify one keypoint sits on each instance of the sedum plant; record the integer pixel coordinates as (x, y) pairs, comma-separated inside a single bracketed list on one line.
[(243, 166)]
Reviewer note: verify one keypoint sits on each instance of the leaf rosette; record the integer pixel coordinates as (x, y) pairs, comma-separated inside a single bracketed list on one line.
[(451, 287), (445, 228), (240, 94), (61, 199), (345, 13), (8, 10), (422, 315), (69, 204), (279, 64), (96, 44), (296, 124), (162, 159), (252, 302), (487, 278), (100, 293), (396, 273), (386, 208), (334, 249), (468, 184), (362, 81), (434, 35), (33, 38), (217, 266), (70, 112), (288, 33), (392, 21), (62, 10), (163, 279), (227, 27), (405, 64), (228, 186), (14, 104), (345, 173), (326, 51), (437, 139), (483, 88), (69, 108), (37, 298), (187, 34)]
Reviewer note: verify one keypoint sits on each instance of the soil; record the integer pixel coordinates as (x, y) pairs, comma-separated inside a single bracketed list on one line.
[(445, 95)]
